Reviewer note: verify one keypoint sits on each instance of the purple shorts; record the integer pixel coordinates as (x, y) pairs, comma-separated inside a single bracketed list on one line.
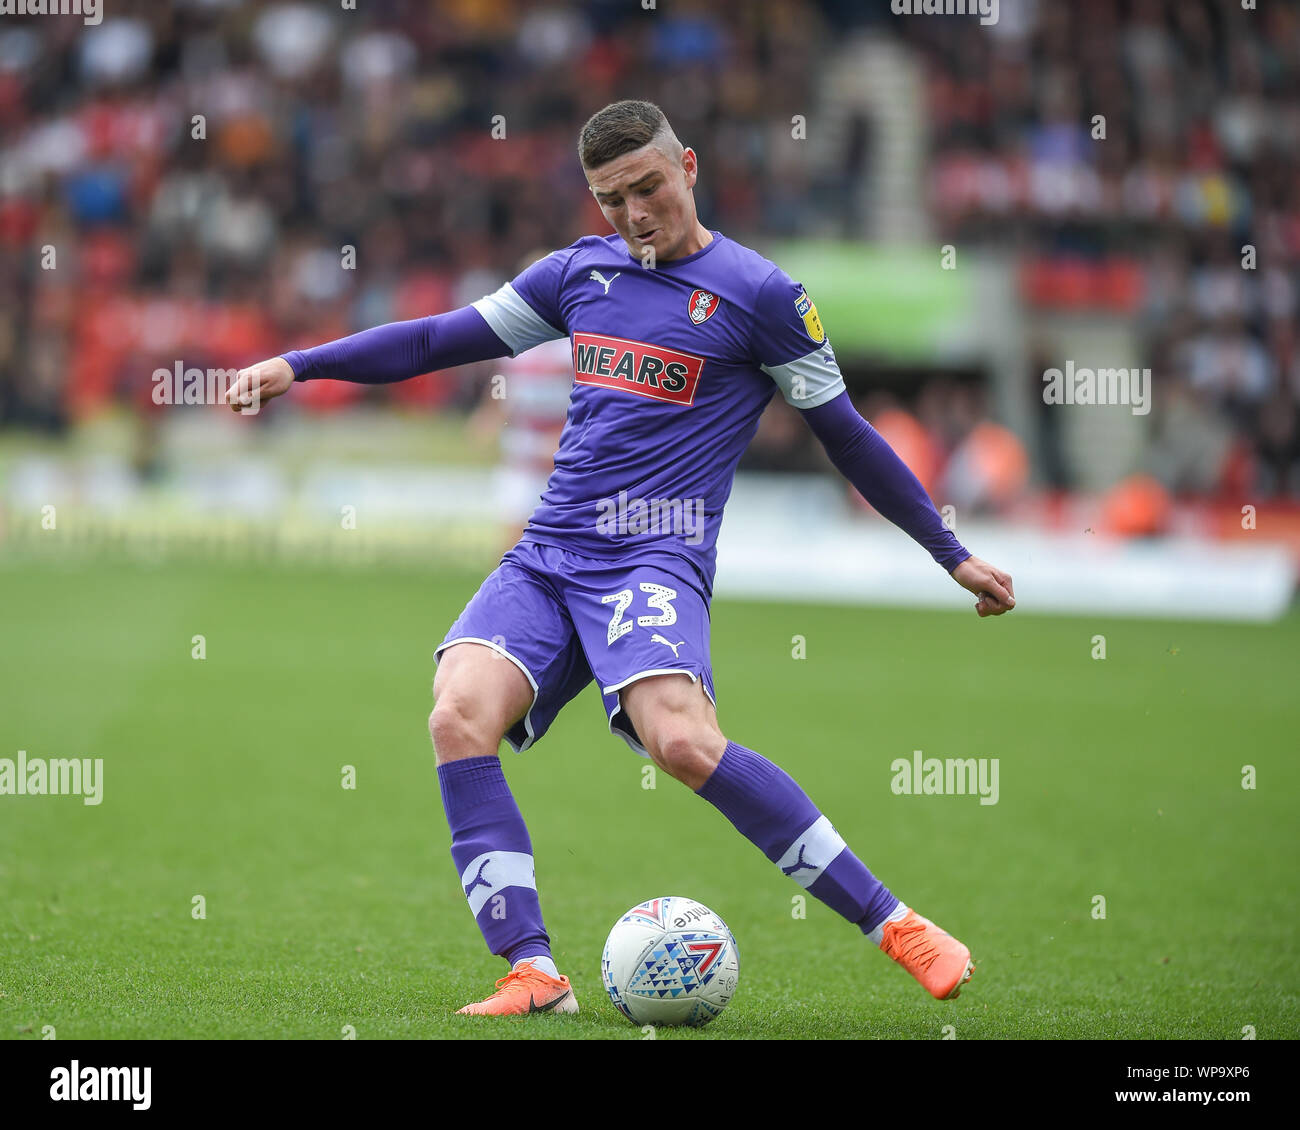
[(564, 619)]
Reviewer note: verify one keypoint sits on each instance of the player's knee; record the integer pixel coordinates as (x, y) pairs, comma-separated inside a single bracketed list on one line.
[(443, 725), (687, 753), (457, 733)]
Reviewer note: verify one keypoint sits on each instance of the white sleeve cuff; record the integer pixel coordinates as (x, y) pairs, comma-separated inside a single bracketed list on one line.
[(810, 380), (514, 321)]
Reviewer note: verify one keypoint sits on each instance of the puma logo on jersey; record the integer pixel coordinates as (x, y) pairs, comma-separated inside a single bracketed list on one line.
[(607, 283), (657, 638)]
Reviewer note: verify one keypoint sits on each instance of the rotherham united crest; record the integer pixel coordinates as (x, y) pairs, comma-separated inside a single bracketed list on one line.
[(702, 305)]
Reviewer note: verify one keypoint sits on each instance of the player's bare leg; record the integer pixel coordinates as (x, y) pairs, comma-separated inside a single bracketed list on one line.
[(678, 726), (479, 694)]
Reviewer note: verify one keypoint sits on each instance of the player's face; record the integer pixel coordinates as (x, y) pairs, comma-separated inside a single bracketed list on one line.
[(646, 197)]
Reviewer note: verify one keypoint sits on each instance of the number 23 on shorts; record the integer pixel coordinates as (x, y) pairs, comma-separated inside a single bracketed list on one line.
[(659, 597)]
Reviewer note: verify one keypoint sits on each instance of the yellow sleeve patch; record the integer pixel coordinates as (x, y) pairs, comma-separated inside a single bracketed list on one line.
[(808, 312)]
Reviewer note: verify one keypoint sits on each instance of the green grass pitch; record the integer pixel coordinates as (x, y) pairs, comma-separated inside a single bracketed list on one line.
[(326, 907)]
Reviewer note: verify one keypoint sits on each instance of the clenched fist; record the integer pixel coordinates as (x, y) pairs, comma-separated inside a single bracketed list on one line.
[(260, 382), (991, 585)]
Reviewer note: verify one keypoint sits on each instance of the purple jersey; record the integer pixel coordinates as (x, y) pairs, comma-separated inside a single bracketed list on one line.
[(673, 365)]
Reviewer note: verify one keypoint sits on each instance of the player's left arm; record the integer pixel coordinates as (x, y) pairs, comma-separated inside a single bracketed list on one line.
[(787, 324), (864, 457)]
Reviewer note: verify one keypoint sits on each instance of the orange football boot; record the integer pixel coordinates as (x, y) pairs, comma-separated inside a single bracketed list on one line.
[(525, 989), (933, 956)]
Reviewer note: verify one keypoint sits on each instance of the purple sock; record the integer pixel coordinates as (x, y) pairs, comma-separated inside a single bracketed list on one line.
[(492, 852), (769, 808)]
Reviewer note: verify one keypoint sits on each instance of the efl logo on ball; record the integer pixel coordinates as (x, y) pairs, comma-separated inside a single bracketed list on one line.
[(670, 961)]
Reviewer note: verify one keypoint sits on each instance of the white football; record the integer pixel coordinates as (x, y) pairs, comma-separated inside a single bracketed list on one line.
[(670, 961)]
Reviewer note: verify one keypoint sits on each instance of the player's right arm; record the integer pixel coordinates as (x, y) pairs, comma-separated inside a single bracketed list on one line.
[(393, 352), (521, 314)]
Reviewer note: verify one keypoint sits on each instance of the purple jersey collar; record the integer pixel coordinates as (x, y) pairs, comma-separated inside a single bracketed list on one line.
[(717, 238)]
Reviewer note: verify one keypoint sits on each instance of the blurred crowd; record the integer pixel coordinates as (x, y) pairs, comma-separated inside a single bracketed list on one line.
[(941, 427), (196, 171), (1143, 159), (216, 181)]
